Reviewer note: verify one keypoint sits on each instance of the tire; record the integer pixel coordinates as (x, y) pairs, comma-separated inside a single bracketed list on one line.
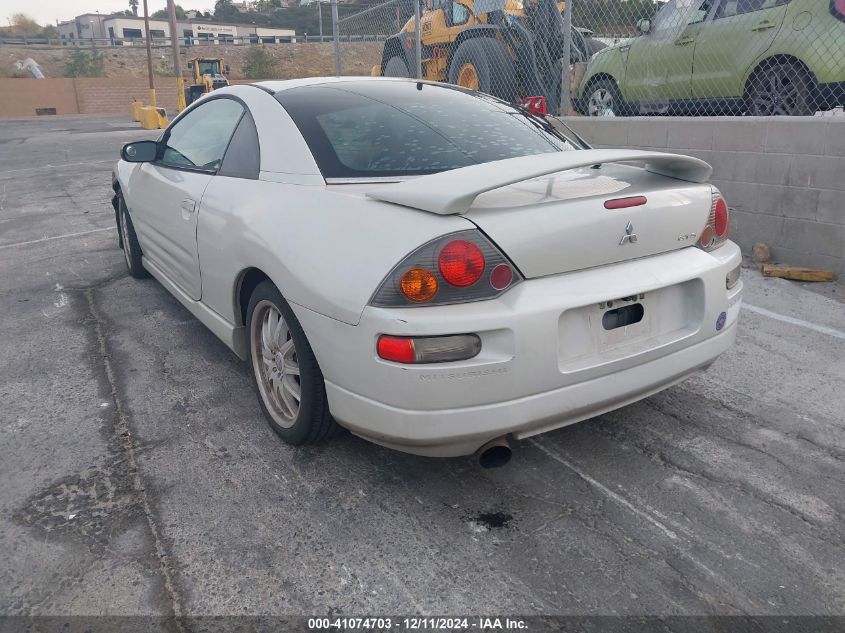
[(131, 248), (396, 67), (470, 66), (602, 96), (281, 364), (502, 74), (782, 88)]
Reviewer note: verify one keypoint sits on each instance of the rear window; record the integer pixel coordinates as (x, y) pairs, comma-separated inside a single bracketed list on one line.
[(383, 129)]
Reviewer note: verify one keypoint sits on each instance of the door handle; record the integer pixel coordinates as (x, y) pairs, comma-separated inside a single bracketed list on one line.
[(762, 26), (188, 208)]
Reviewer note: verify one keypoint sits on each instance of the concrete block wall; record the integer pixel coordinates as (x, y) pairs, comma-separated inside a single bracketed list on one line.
[(82, 95), (784, 177)]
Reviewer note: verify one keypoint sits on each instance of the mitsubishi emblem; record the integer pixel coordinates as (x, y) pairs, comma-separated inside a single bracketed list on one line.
[(630, 236)]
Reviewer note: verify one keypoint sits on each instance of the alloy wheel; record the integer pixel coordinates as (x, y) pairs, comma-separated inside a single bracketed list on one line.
[(600, 102), (124, 235), (777, 92), (275, 364)]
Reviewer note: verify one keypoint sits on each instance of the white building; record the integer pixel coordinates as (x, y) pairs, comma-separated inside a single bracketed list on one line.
[(127, 30)]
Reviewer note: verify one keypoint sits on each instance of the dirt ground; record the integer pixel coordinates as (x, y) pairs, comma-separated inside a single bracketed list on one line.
[(294, 60)]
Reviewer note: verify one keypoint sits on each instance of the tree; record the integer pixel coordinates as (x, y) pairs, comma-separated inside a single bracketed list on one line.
[(133, 4), (85, 64), (225, 11), (259, 64), (22, 24), (163, 14), (276, 3)]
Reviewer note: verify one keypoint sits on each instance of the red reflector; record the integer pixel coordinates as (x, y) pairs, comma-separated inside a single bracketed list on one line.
[(399, 350), (536, 105), (501, 277), (720, 217), (461, 263), (624, 203)]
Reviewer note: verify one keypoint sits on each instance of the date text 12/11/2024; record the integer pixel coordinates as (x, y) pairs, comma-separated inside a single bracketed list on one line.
[(417, 624)]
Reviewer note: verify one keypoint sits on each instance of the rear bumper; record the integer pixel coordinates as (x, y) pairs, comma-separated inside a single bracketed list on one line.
[(545, 362), (453, 432)]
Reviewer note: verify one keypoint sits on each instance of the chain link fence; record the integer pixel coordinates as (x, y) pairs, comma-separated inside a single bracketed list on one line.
[(623, 57)]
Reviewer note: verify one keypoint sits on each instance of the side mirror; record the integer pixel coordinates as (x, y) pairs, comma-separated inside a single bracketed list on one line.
[(644, 26), (227, 69), (140, 152), (190, 65)]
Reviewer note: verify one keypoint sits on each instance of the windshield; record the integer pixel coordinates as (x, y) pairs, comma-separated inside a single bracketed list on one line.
[(378, 129), (209, 68)]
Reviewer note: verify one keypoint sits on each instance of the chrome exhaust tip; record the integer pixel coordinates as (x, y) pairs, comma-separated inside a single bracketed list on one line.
[(495, 453)]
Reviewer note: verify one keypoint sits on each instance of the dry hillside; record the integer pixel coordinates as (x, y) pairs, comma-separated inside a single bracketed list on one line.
[(294, 60)]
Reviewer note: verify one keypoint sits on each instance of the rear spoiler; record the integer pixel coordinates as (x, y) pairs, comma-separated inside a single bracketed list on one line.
[(453, 192)]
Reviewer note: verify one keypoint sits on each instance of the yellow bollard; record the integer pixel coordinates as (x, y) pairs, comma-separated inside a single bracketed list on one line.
[(153, 118)]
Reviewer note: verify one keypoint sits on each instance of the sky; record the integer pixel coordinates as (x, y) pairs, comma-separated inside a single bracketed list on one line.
[(48, 11)]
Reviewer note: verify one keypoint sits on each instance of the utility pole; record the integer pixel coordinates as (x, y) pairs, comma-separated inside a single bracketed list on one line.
[(567, 55), (149, 56), (320, 17), (177, 58), (336, 38), (417, 38)]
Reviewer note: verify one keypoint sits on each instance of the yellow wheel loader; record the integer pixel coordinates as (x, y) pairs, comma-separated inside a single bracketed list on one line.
[(508, 48), (206, 76)]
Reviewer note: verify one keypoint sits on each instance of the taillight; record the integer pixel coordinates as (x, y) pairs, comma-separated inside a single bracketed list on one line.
[(461, 263), (715, 232), (455, 268), (837, 8), (428, 349), (418, 284), (720, 217)]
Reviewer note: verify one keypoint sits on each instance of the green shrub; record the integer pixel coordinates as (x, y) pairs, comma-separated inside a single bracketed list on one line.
[(259, 64), (85, 64)]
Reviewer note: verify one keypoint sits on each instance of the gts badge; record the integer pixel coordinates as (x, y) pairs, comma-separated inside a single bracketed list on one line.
[(630, 237), (686, 237)]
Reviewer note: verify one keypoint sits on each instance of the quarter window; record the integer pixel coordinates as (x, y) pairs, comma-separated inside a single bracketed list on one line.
[(199, 139)]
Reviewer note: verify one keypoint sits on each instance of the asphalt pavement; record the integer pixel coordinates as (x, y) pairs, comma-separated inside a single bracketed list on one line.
[(139, 477)]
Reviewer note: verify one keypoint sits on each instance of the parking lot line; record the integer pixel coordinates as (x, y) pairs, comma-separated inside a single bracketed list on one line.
[(604, 489), (57, 237), (823, 329), (48, 166)]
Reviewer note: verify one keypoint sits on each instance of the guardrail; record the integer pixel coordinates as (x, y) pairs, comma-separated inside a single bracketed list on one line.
[(248, 40)]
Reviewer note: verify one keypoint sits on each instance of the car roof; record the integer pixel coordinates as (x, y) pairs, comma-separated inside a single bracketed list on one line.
[(287, 84)]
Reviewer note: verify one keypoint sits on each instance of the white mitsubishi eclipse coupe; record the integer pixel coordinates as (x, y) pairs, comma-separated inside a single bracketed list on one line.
[(429, 267)]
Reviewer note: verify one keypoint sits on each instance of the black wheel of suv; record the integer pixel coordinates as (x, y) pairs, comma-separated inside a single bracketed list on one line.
[(602, 98), (396, 67), (131, 247), (779, 89), (285, 371)]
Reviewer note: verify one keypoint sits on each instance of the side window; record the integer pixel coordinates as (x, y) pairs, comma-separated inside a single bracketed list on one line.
[(243, 158), (731, 8), (199, 139), (460, 14)]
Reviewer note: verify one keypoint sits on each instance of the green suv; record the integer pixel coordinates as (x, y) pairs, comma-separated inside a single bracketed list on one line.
[(760, 57)]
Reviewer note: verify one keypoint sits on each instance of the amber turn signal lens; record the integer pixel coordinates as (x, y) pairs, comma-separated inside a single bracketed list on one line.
[(418, 284)]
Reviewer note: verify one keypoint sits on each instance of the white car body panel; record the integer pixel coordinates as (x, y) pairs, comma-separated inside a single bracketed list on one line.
[(545, 360), (167, 221)]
